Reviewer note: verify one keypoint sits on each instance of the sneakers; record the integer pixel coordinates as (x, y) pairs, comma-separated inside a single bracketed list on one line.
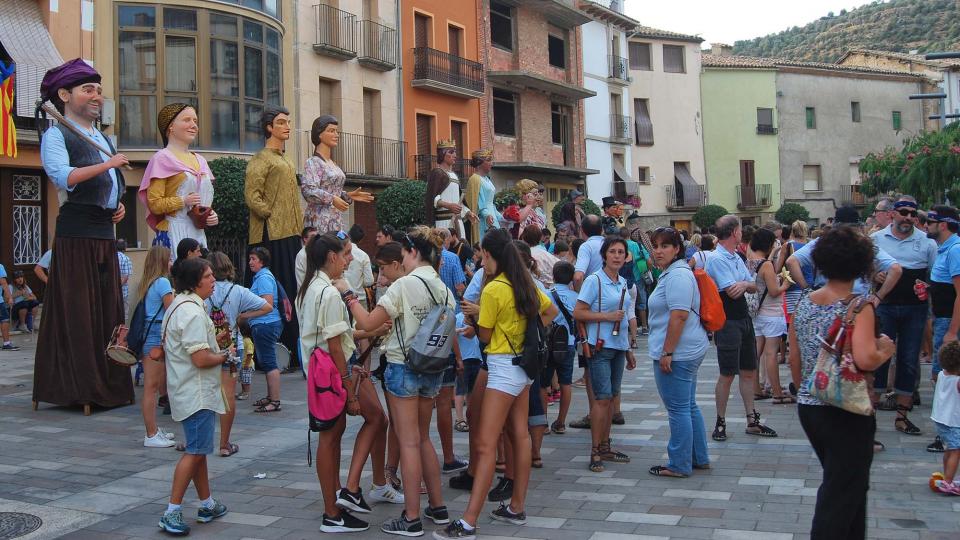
[(936, 446), (438, 515), (352, 501), (502, 491), (455, 530), (166, 434), (462, 481), (344, 523), (947, 488), (644, 331), (206, 515), (402, 527), (159, 440), (505, 514), (583, 423), (455, 466), (385, 493), (172, 522), (9, 347)]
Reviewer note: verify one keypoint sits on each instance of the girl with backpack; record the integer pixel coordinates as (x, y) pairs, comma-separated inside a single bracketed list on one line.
[(411, 394), (156, 293), (509, 301)]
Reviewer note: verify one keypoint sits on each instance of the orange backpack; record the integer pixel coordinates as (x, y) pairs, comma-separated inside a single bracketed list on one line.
[(712, 316)]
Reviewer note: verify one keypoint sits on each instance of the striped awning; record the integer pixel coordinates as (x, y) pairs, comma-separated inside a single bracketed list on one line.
[(27, 41)]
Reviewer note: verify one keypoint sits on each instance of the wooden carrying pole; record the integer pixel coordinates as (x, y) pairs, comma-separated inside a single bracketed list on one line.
[(49, 109)]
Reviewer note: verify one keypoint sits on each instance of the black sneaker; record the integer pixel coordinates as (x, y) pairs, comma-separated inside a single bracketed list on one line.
[(462, 481), (9, 347), (344, 523), (936, 446), (455, 530), (505, 514), (455, 466), (402, 527), (502, 491), (352, 501), (438, 515)]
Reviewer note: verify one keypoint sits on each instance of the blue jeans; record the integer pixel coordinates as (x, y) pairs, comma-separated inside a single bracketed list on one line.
[(403, 382), (688, 436), (265, 336), (940, 327), (606, 373), (564, 372), (904, 325)]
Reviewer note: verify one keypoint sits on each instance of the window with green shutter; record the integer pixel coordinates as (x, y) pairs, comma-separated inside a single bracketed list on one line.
[(896, 121), (811, 118)]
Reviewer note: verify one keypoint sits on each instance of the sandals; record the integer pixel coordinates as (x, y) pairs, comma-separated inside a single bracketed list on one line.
[(243, 396), (609, 454), (903, 424), (596, 462), (702, 467), (762, 396), (558, 427), (720, 430), (618, 419), (878, 446), (269, 407), (660, 470), (501, 467), (785, 399), (229, 450), (754, 427), (462, 426), (181, 447), (536, 463), (261, 402)]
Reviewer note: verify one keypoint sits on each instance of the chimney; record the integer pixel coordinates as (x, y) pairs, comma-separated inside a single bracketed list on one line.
[(721, 49)]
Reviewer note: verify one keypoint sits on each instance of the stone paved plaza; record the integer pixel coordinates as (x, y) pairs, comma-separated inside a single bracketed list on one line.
[(91, 478)]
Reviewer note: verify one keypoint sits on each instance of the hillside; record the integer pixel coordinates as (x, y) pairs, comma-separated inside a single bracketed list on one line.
[(896, 25)]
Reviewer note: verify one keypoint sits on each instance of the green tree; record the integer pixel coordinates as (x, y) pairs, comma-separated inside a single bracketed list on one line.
[(707, 216), (790, 212), (927, 167), (228, 201), (401, 204)]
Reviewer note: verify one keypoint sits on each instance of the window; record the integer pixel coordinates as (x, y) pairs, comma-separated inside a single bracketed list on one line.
[(855, 111), (454, 39), (504, 113), (421, 30), (811, 118), (765, 121), (556, 47), (673, 59), (643, 127), (560, 129), (160, 51), (501, 25), (643, 175), (896, 121), (639, 56), (811, 178)]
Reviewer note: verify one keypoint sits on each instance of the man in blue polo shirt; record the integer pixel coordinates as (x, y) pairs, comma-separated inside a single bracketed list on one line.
[(902, 314), (943, 222), (736, 342), (588, 258)]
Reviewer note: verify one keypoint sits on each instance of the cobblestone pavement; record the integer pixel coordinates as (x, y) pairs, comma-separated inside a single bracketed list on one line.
[(90, 477)]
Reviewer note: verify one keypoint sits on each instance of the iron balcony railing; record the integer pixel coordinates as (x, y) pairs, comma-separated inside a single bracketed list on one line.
[(680, 197), (378, 46), (619, 68), (766, 129), (755, 196), (438, 66), (336, 32), (363, 155), (620, 127), (424, 163), (851, 195)]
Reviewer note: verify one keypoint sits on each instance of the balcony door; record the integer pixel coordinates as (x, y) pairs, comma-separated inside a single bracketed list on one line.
[(454, 40), (748, 193), (421, 30), (458, 132), (424, 159)]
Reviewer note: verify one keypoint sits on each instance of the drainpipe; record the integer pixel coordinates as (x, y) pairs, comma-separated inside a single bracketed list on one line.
[(396, 4), (296, 75)]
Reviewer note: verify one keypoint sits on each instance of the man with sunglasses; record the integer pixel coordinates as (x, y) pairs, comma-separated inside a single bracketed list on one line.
[(902, 314), (882, 214)]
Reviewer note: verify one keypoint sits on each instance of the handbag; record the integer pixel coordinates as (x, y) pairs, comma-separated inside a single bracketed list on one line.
[(836, 380), (198, 215)]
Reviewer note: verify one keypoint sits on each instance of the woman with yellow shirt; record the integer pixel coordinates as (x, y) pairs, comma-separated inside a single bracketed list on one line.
[(508, 301), (176, 181)]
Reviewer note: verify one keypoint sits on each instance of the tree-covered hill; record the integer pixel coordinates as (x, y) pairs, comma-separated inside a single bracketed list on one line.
[(895, 25)]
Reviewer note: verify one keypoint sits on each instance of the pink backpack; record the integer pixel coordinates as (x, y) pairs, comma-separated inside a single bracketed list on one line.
[(326, 396)]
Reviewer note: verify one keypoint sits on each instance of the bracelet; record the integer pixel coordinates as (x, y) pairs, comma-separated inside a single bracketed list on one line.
[(352, 302)]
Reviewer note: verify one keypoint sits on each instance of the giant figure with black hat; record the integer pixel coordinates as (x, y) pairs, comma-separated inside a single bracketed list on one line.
[(612, 215), (83, 303), (444, 203)]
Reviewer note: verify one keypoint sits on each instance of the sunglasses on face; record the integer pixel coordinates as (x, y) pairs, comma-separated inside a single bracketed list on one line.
[(904, 212)]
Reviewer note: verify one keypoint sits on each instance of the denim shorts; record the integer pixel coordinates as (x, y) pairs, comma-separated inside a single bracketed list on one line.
[(564, 371), (198, 430), (450, 374), (536, 415), (265, 338), (465, 383), (949, 435), (4, 312), (606, 373), (403, 382)]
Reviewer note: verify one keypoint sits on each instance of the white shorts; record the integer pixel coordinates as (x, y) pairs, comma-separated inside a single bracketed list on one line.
[(502, 375), (769, 326)]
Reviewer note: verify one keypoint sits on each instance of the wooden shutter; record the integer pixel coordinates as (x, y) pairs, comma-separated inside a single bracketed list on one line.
[(643, 125), (453, 40), (421, 30)]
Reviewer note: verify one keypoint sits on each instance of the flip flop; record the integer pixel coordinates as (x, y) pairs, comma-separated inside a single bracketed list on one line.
[(229, 450)]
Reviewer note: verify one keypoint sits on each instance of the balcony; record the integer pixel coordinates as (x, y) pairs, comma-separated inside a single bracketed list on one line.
[(685, 198), (625, 190), (336, 32), (423, 164), (447, 73), (363, 156), (619, 70), (610, 11), (562, 13), (755, 196), (852, 195), (378, 46), (765, 129), (621, 128)]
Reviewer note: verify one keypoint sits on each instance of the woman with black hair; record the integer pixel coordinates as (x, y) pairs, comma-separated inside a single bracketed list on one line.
[(677, 344), (605, 309), (188, 248), (411, 394), (509, 301), (266, 328)]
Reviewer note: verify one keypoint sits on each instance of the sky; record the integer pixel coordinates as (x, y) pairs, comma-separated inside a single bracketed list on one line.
[(730, 20)]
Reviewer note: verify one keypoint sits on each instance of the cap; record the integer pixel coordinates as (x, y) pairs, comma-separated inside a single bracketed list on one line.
[(847, 214), (610, 201), (67, 75)]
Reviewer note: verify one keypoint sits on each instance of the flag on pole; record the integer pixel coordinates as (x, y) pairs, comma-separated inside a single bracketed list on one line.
[(8, 132)]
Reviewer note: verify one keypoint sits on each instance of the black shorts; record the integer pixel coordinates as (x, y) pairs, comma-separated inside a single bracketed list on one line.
[(736, 347)]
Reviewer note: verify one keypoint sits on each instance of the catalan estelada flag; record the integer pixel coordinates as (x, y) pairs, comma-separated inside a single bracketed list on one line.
[(8, 132)]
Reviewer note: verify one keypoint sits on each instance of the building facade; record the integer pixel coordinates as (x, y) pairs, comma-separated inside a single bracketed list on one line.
[(608, 122), (533, 102), (741, 150), (667, 149)]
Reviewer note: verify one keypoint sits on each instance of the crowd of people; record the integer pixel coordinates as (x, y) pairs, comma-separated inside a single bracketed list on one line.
[(481, 311)]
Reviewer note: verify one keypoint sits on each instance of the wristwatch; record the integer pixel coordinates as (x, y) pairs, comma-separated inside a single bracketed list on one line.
[(663, 354)]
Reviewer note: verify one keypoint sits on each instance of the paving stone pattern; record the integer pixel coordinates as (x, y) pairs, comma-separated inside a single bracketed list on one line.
[(91, 478)]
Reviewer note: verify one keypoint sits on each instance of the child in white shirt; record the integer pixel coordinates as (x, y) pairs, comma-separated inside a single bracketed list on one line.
[(946, 415)]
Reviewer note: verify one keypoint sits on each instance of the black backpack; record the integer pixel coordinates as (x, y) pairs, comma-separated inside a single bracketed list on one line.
[(140, 327), (533, 358), (558, 335)]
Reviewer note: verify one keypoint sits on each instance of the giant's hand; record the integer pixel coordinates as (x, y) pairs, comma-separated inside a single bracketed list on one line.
[(340, 204), (212, 218), (359, 195)]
